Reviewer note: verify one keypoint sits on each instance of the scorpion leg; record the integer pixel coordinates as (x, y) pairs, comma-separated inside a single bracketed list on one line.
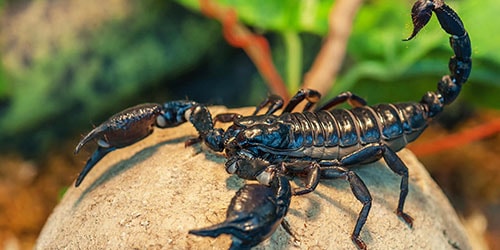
[(397, 166), (275, 102), (361, 193), (350, 98), (312, 97), (264, 172), (255, 213), (226, 117), (375, 151), (312, 180), (310, 168)]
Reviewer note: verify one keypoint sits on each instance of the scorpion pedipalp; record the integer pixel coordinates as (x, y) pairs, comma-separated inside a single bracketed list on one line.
[(134, 124), (254, 214), (120, 130)]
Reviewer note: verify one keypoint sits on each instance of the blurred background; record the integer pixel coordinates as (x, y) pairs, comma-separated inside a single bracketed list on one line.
[(68, 65)]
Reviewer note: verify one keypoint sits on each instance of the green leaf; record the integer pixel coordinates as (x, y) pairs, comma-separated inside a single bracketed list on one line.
[(283, 15), (376, 53), (3, 83), (379, 60)]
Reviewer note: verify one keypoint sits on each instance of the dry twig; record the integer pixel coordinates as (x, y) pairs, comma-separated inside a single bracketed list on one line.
[(256, 46), (323, 73)]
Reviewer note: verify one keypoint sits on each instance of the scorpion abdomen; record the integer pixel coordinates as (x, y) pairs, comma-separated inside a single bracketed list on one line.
[(400, 123), (330, 134)]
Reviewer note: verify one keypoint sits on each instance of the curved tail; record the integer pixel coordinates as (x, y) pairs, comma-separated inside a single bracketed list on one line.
[(460, 64)]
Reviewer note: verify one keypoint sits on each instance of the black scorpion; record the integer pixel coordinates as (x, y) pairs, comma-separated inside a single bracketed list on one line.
[(321, 144)]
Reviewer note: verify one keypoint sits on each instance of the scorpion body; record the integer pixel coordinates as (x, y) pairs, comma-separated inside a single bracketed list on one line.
[(315, 145), (331, 134)]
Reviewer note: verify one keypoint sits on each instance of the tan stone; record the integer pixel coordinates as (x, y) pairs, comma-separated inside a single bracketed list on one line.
[(149, 195)]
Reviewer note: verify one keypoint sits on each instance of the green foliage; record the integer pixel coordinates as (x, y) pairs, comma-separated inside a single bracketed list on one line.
[(288, 18), (377, 55), (279, 16), (94, 70), (91, 70), (62, 191), (380, 60), (3, 83)]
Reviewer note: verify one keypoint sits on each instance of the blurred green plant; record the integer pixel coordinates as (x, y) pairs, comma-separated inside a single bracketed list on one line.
[(280, 16), (3, 84), (379, 60), (90, 71), (89, 63), (377, 57)]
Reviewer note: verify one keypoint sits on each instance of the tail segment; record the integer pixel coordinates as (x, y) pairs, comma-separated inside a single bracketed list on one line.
[(460, 64)]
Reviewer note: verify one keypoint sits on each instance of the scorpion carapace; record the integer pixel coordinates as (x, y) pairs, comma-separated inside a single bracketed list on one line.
[(320, 144)]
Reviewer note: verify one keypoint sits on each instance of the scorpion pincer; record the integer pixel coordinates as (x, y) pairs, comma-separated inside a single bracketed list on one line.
[(255, 212), (320, 144)]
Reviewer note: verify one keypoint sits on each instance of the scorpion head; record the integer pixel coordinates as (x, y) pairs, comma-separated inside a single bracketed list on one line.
[(259, 132), (250, 146), (256, 136)]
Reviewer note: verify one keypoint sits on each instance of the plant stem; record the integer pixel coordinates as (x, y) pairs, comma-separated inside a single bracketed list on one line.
[(326, 66), (293, 47)]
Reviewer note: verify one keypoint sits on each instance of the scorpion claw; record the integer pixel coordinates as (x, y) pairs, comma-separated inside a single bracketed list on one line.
[(96, 156), (255, 212), (420, 14), (407, 218), (120, 130), (91, 135)]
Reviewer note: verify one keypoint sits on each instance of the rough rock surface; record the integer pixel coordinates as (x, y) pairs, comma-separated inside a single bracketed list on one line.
[(148, 195)]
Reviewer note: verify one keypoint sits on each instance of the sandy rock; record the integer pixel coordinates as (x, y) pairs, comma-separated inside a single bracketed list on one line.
[(149, 195)]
